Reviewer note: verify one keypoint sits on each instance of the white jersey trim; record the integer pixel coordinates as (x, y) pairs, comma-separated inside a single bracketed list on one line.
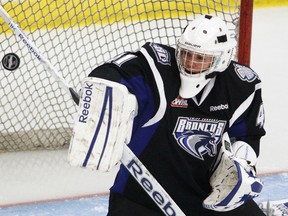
[(244, 106), (159, 82), (124, 58), (206, 91)]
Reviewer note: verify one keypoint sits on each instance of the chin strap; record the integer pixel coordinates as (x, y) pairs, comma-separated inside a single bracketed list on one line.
[(212, 75)]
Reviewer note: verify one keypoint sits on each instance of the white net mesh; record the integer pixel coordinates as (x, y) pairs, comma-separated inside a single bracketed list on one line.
[(76, 36)]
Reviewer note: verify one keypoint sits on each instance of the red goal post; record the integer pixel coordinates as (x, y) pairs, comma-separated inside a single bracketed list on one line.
[(245, 32), (76, 36)]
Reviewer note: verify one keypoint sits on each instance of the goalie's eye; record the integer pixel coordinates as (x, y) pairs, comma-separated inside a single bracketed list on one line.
[(194, 62)]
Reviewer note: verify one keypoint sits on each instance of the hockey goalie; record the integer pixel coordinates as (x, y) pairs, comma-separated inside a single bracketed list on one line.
[(190, 114)]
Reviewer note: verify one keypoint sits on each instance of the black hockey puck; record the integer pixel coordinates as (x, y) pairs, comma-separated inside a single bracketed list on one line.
[(11, 61)]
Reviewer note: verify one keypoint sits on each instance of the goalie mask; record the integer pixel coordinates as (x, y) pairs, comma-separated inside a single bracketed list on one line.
[(204, 47)]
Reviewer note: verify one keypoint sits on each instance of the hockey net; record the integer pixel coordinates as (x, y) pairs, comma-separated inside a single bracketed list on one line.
[(76, 36)]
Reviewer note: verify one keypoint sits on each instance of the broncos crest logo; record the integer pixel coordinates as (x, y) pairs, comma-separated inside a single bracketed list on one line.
[(198, 143), (198, 136)]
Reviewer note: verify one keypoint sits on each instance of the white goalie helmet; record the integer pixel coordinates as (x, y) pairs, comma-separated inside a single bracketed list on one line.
[(205, 46)]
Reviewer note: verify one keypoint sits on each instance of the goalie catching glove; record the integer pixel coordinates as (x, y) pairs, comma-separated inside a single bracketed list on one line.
[(233, 178), (103, 124)]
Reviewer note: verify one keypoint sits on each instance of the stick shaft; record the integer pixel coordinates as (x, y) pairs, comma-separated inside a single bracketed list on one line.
[(150, 184)]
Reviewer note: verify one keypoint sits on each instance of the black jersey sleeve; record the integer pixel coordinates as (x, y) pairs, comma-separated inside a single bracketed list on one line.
[(249, 127), (247, 120)]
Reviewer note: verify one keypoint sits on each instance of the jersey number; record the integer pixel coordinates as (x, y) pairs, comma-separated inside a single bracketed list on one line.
[(261, 117)]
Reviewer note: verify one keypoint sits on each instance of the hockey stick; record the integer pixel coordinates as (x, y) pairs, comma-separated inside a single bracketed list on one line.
[(129, 160)]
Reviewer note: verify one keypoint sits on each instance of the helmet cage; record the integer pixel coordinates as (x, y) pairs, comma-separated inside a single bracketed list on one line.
[(192, 62)]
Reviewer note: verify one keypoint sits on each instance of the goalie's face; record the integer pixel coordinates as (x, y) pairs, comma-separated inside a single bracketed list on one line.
[(195, 63)]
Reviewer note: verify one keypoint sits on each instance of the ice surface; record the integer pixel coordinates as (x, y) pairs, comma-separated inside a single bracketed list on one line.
[(275, 188)]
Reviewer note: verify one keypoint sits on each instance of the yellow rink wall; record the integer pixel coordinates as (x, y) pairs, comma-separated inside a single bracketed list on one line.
[(36, 14), (270, 3), (52, 12)]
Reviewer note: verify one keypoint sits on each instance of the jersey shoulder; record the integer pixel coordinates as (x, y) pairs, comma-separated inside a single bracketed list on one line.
[(123, 66), (242, 73), (139, 62), (160, 53), (241, 78), (161, 60)]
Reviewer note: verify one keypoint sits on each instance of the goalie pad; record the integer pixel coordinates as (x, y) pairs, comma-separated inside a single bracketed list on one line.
[(103, 124), (233, 180)]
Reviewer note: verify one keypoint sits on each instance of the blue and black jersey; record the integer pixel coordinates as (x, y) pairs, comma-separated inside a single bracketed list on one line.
[(176, 138)]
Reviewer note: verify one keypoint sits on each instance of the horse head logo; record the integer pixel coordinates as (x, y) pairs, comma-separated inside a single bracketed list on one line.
[(198, 143)]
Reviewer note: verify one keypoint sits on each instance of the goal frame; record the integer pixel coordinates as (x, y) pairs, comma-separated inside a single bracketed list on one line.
[(245, 32)]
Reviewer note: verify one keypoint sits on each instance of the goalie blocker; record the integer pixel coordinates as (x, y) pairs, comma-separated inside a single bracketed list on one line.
[(103, 125)]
